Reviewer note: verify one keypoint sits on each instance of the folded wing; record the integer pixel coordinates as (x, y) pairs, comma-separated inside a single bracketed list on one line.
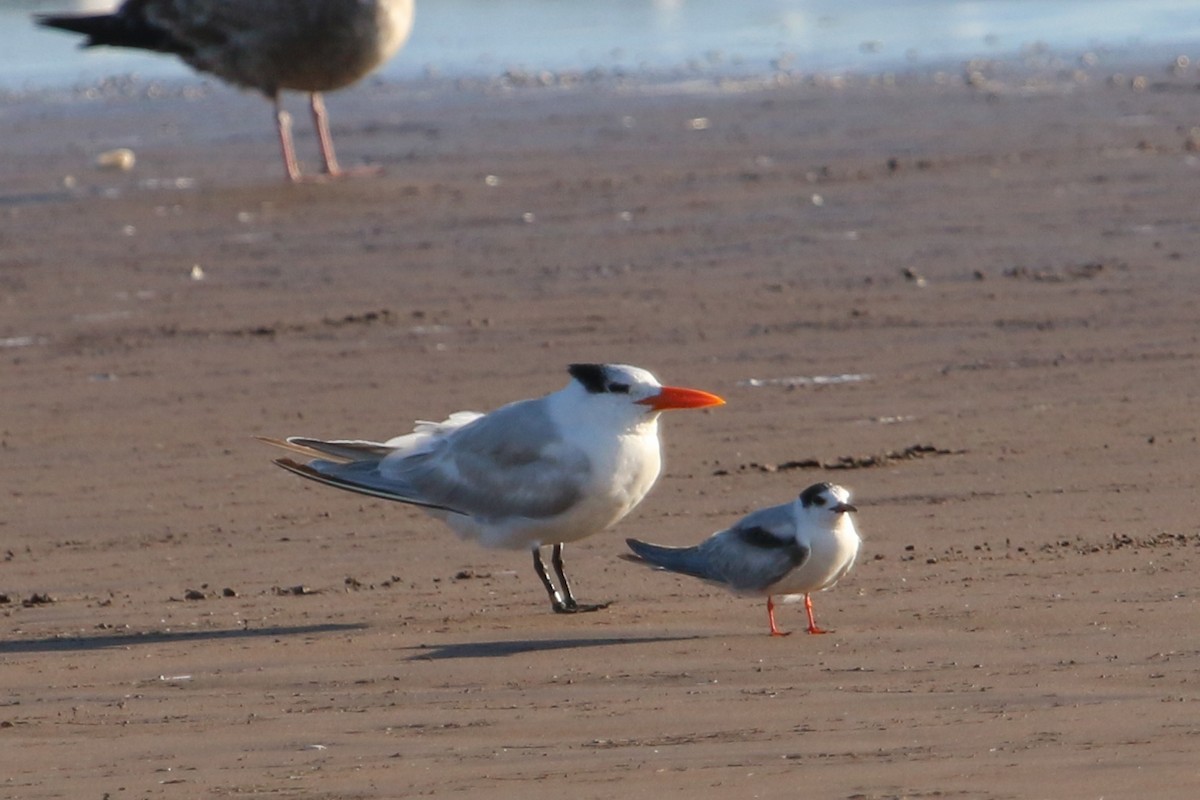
[(468, 464), (749, 557)]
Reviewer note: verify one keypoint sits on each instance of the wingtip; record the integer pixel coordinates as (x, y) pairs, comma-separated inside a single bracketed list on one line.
[(294, 466), (271, 441), (642, 551), (291, 444), (637, 546)]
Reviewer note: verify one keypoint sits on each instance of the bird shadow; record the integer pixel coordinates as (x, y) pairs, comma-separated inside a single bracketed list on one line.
[(59, 644), (500, 649)]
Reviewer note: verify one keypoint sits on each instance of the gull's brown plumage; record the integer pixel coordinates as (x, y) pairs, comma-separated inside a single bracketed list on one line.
[(271, 46)]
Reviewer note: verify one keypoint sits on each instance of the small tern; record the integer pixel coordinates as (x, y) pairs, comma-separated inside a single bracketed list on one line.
[(545, 471), (311, 46), (796, 548)]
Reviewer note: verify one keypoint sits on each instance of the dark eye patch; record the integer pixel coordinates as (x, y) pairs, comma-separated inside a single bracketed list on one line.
[(618, 388), (815, 495)]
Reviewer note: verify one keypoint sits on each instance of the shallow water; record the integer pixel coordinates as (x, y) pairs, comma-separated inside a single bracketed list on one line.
[(483, 38)]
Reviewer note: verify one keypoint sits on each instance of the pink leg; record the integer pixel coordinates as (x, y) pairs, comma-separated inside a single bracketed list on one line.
[(812, 622), (325, 139), (321, 123), (771, 618), (283, 123)]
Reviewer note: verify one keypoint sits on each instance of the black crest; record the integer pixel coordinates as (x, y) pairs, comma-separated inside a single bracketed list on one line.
[(591, 376)]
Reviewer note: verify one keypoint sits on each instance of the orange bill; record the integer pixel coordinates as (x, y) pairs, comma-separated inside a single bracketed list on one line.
[(670, 397)]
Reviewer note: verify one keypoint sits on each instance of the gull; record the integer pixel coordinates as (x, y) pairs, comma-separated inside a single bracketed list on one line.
[(534, 473), (310, 46), (795, 548)]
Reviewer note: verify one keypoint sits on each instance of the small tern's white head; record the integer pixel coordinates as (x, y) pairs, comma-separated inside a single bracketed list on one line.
[(824, 503)]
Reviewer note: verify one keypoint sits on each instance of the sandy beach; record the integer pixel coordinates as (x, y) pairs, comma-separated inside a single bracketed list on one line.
[(971, 299)]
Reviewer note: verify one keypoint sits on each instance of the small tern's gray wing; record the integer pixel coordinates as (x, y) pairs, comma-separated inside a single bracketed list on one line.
[(360, 476), (766, 557), (750, 558), (512, 462)]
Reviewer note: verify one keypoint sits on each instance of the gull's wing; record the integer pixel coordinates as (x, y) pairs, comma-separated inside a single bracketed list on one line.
[(200, 23), (309, 45)]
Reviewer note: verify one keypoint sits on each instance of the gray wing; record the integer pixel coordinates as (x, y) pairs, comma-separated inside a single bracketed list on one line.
[(684, 560), (749, 557), (759, 550), (511, 462), (359, 476), (752, 558), (341, 449)]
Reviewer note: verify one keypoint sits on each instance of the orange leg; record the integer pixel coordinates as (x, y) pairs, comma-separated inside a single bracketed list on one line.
[(771, 618), (812, 622)]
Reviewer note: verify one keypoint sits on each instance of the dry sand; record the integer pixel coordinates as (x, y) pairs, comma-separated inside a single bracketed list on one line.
[(1022, 623)]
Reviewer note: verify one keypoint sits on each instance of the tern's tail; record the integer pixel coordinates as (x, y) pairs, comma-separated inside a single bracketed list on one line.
[(685, 560)]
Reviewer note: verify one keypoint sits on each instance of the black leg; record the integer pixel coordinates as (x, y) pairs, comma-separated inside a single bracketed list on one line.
[(556, 602), (569, 599), (557, 562)]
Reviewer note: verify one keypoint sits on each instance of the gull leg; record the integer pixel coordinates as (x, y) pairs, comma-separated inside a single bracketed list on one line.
[(771, 618), (325, 139), (321, 123), (571, 604), (283, 124), (812, 622)]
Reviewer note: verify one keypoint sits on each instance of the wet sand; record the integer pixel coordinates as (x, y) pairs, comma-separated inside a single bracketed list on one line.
[(1004, 270)]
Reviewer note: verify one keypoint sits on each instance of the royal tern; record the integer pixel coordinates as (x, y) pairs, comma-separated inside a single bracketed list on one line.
[(536, 472), (311, 46), (796, 548)]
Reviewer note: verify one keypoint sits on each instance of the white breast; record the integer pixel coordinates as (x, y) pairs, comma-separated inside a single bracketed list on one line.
[(832, 555)]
